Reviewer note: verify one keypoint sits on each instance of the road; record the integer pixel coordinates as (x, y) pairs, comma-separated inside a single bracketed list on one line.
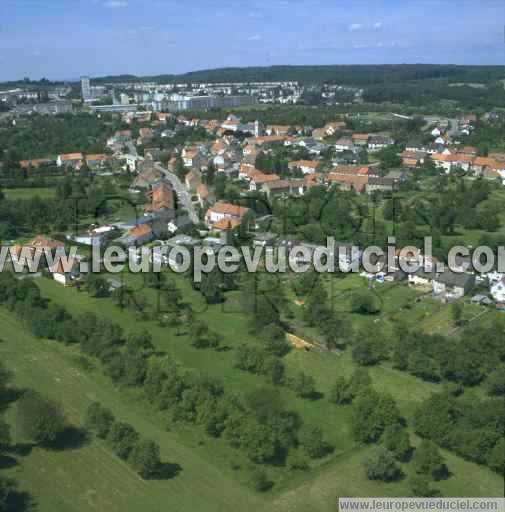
[(183, 195), (180, 189), (131, 148)]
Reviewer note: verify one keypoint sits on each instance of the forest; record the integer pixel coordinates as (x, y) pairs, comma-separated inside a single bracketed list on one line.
[(343, 74)]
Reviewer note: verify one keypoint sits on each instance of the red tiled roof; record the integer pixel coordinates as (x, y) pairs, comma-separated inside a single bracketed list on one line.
[(357, 182), (226, 224), (25, 164), (228, 209), (303, 163), (140, 230), (71, 156)]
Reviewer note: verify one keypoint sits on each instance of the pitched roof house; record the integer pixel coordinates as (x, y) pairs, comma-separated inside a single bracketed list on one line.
[(223, 210), (70, 159)]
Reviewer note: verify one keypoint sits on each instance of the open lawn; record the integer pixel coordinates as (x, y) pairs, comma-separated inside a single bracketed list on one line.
[(28, 193)]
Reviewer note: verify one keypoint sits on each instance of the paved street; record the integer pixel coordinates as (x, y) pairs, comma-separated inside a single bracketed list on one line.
[(183, 195)]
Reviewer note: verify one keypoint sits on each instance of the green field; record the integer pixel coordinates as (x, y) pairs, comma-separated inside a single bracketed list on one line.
[(92, 477), (28, 193), (207, 480)]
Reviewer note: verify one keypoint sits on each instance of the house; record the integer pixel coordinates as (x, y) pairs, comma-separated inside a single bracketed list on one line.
[(313, 147), (37, 249), (283, 188), (65, 274), (267, 139), (40, 242), (148, 175), (490, 166), (162, 201), (223, 210), (463, 161), (203, 194), (188, 155), (35, 163), (191, 180), (442, 161), (412, 158), (468, 150), (450, 285), (386, 183), (247, 171), (344, 144), (259, 178), (218, 147), (360, 139), (96, 160), (333, 127), (498, 290), (347, 182), (231, 123), (415, 147), (351, 170), (94, 236), (264, 239), (319, 134), (226, 225), (139, 235), (74, 160), (378, 142), (120, 137), (145, 134), (131, 161), (277, 129), (306, 166)]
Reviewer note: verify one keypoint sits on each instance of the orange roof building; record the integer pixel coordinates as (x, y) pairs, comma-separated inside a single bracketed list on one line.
[(223, 210), (36, 162), (226, 224), (357, 183)]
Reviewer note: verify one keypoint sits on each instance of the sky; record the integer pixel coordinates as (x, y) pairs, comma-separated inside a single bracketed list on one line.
[(64, 39)]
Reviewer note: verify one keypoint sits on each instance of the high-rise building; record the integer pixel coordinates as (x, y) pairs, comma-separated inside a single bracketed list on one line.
[(85, 88)]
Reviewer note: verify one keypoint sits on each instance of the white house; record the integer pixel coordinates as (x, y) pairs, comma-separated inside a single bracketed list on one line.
[(498, 290)]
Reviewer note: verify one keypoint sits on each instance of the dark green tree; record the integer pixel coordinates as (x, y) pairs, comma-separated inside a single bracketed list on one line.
[(427, 460), (145, 458), (381, 465), (99, 419), (39, 419)]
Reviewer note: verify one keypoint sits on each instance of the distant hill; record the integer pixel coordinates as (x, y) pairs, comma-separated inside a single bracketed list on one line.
[(359, 75)]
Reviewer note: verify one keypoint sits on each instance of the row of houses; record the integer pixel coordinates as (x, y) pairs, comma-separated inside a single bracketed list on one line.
[(73, 160)]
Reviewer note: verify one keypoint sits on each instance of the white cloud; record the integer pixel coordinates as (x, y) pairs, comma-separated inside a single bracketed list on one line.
[(360, 46), (255, 37), (377, 25), (115, 4), (355, 26)]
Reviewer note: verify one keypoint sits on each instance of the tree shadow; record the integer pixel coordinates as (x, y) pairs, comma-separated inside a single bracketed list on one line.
[(20, 501), (167, 471), (315, 395), (6, 461), (9, 396), (70, 438), (224, 348), (21, 449)]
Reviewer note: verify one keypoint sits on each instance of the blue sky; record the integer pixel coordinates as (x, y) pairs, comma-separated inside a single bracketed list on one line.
[(63, 39)]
